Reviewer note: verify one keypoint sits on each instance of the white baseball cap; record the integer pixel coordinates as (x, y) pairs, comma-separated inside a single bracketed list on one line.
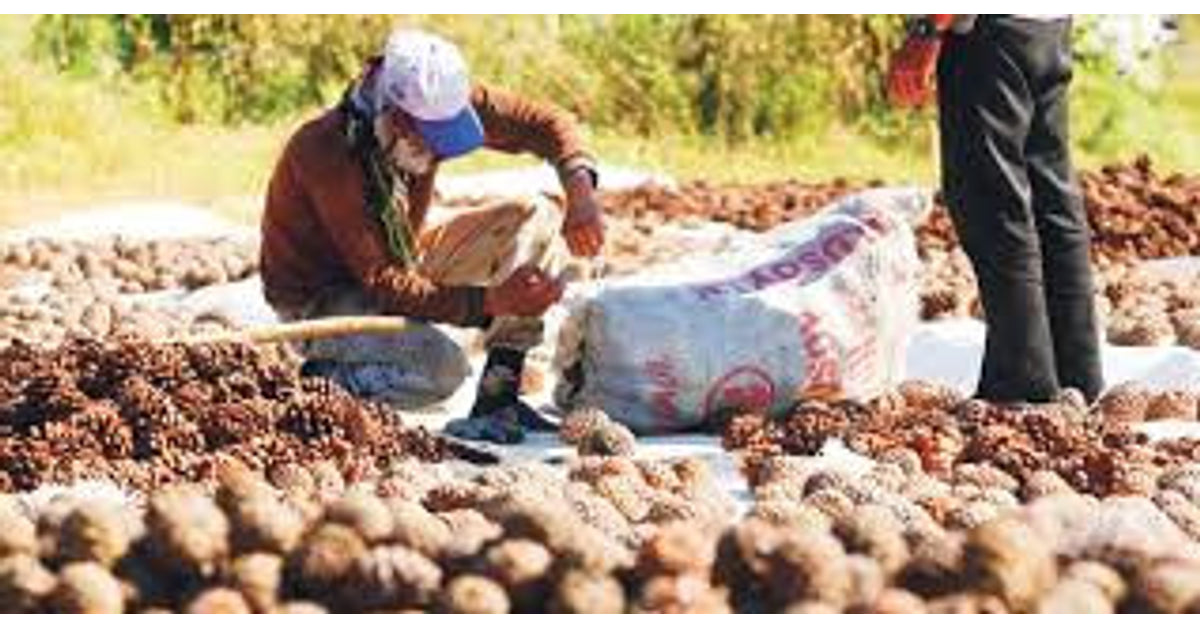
[(427, 77)]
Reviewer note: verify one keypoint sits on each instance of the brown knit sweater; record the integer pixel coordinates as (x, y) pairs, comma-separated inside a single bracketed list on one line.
[(317, 233)]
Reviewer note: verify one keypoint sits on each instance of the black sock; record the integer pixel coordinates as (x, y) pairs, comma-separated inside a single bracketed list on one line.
[(500, 381), (318, 367)]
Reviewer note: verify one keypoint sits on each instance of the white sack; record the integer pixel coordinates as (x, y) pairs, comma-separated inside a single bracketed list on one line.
[(822, 306)]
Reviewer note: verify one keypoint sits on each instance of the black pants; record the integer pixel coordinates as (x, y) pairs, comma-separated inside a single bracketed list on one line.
[(1014, 200)]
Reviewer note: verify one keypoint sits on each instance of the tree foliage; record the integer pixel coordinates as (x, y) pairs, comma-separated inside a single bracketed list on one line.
[(737, 77)]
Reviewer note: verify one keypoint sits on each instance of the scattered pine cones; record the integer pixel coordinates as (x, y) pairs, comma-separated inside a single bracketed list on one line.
[(145, 415), (595, 434)]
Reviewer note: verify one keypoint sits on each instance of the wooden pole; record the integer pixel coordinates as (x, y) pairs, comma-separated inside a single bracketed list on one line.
[(313, 329)]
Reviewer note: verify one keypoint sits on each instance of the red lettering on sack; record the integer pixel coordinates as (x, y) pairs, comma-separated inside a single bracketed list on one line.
[(664, 388), (840, 244), (875, 221), (761, 278), (821, 376), (806, 262), (858, 362), (814, 262), (711, 290), (786, 269), (746, 387)]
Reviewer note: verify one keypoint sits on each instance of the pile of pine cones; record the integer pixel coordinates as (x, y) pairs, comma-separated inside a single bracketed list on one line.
[(84, 288), (133, 266), (1097, 452), (1134, 213), (752, 207), (53, 318), (425, 538), (145, 415), (898, 540)]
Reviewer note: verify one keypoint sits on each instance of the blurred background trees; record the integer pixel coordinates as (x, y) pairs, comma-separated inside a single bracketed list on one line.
[(734, 76), (728, 96)]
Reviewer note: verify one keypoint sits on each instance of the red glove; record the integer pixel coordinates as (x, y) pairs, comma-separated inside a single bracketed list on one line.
[(529, 291), (910, 76)]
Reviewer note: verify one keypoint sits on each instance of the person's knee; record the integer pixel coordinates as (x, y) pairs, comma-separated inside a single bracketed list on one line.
[(1065, 239), (448, 369), (438, 359), (414, 385)]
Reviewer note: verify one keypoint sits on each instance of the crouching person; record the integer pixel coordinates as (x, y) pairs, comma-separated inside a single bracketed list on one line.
[(345, 233)]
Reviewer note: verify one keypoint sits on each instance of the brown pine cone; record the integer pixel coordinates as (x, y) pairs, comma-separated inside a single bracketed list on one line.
[(393, 576), (1075, 597), (522, 567), (325, 560), (87, 588), (682, 594), (94, 531), (1168, 585), (219, 601), (364, 513), (579, 592), (752, 432), (675, 550), (1141, 331), (258, 577), (187, 531), (810, 567), (897, 602), (1172, 404), (809, 425), (263, 523), (874, 531), (24, 583), (580, 422), (1125, 403), (607, 439), (416, 527), (1012, 561), (929, 396), (474, 594), (17, 533)]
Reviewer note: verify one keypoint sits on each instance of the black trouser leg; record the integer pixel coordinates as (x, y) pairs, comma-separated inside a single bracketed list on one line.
[(1061, 219), (986, 106)]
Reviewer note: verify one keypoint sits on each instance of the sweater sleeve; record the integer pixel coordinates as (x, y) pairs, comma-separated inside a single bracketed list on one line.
[(515, 124)]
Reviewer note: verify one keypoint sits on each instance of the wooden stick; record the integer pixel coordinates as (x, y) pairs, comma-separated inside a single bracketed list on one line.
[(314, 329)]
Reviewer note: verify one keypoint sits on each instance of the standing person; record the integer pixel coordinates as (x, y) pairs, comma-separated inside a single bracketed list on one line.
[(1007, 179), (345, 233)]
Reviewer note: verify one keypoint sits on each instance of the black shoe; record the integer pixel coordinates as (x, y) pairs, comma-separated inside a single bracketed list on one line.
[(531, 419), (314, 367), (501, 428)]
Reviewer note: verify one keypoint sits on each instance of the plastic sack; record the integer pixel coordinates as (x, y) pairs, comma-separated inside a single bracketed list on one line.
[(820, 307)]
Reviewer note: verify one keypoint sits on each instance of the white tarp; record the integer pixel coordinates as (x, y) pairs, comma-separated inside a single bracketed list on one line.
[(951, 351)]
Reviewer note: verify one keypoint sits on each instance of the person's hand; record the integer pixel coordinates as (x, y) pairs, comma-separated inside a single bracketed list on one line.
[(528, 291), (583, 224), (910, 75)]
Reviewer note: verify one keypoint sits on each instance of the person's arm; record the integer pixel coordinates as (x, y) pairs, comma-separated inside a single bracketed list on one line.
[(514, 124), (910, 75)]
